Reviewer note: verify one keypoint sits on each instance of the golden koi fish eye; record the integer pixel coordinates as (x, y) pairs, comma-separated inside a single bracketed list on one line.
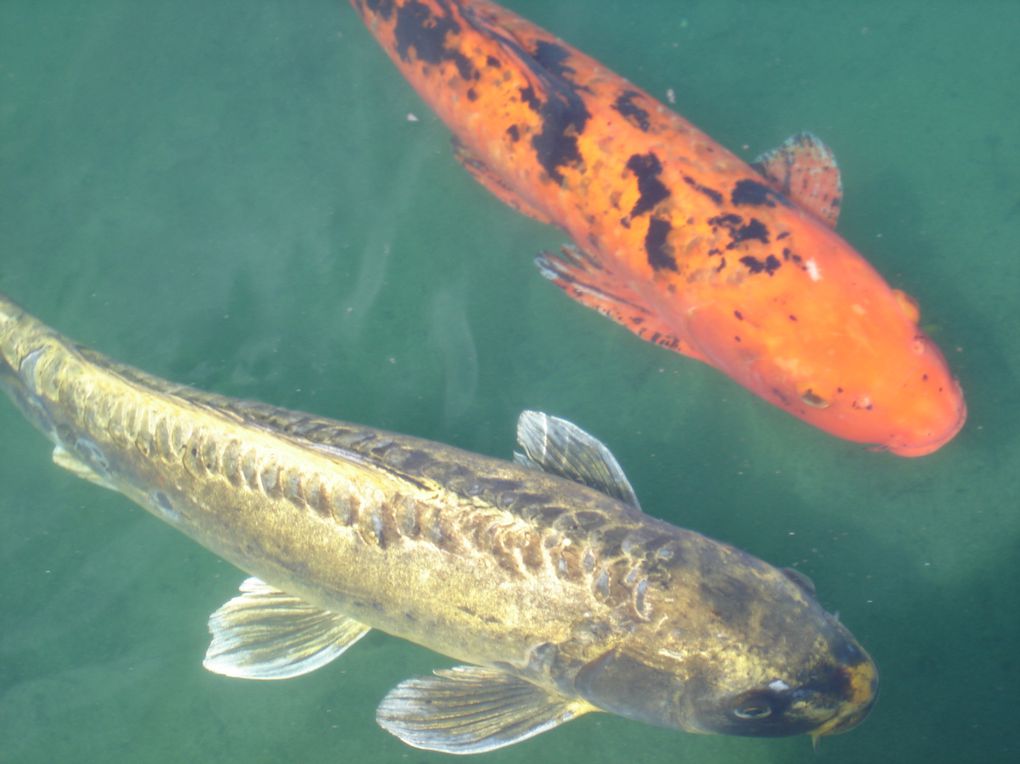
[(757, 710)]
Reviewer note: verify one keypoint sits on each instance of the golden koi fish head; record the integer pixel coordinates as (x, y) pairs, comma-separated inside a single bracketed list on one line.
[(750, 653)]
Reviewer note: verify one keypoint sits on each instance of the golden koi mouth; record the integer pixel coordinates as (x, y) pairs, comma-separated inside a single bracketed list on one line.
[(863, 694)]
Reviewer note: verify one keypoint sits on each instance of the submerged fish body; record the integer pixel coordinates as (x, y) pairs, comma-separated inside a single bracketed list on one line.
[(542, 575), (675, 237)]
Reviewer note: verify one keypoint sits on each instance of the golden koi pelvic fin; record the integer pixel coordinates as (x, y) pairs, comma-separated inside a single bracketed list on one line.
[(471, 709)]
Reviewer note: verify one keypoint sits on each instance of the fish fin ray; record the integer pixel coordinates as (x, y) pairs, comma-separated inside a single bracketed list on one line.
[(805, 171), (470, 709), (78, 467), (585, 279), (562, 448), (267, 634), (491, 181)]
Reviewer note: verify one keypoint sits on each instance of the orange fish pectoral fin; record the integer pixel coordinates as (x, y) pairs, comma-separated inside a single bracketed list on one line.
[(586, 280), (482, 173), (805, 171)]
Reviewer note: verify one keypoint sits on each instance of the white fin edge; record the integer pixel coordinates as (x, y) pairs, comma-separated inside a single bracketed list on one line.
[(267, 634), (562, 448), (470, 709)]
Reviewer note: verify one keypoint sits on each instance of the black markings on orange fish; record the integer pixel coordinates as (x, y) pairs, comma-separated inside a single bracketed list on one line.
[(711, 193), (752, 194), (418, 28), (383, 8), (660, 254), (647, 168), (630, 111), (739, 231), (563, 113), (552, 57), (769, 265)]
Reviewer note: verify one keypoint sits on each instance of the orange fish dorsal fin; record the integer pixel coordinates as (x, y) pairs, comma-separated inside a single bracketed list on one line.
[(585, 279), (482, 173), (805, 171)]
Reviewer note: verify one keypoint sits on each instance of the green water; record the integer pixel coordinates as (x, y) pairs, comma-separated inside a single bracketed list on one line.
[(231, 194)]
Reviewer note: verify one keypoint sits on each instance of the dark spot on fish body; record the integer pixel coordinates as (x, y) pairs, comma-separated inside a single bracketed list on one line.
[(208, 452), (553, 57), (547, 516), (660, 254), (412, 460), (191, 458), (383, 8), (530, 100), (417, 28), (472, 95), (739, 316), (753, 194), (770, 265), (493, 62), (563, 119), (609, 541), (739, 232), (514, 132), (711, 193), (630, 111), (727, 220), (729, 598), (651, 190)]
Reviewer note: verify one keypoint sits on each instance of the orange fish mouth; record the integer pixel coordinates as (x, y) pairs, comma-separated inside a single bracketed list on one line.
[(910, 446)]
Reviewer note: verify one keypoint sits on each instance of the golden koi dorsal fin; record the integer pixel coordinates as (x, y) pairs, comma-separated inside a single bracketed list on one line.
[(470, 709), (584, 278), (804, 170), (267, 634), (562, 448), (482, 173)]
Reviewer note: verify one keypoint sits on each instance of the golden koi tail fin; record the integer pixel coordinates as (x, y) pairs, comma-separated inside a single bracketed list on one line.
[(25, 341)]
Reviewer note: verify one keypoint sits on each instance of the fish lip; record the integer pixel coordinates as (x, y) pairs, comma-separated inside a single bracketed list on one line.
[(934, 443)]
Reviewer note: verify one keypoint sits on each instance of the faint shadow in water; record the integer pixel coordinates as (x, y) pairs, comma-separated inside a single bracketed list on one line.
[(375, 255), (450, 333)]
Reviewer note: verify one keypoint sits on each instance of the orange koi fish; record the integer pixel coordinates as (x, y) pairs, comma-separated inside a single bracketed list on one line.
[(674, 237)]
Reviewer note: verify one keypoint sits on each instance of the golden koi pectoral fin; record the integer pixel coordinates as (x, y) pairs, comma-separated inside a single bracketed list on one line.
[(471, 709), (267, 634)]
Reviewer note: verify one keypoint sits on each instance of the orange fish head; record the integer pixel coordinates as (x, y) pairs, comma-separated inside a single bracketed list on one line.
[(834, 345)]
